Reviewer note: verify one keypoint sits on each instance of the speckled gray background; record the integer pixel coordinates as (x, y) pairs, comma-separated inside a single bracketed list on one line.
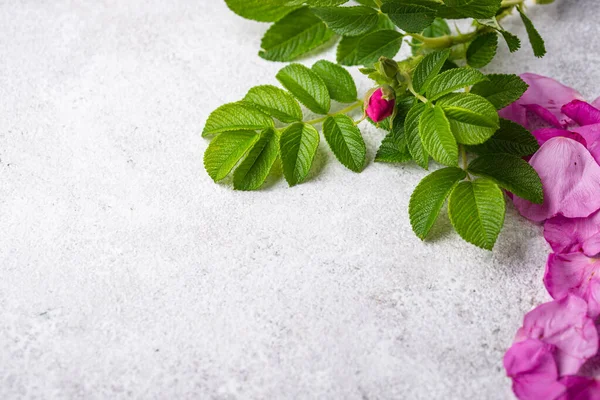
[(126, 273)]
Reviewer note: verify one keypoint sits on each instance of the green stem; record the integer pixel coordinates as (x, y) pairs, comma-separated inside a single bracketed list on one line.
[(510, 3), (409, 85), (346, 110), (465, 161), (446, 41)]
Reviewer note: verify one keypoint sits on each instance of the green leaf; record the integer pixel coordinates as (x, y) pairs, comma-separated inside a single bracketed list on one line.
[(306, 86), (345, 141), (261, 10), (482, 50), (511, 138), (409, 18), (339, 82), (428, 69), (254, 169), (275, 102), (413, 138), (474, 8), (294, 35), (512, 173), (429, 197), (347, 50), (298, 146), (473, 119), (384, 43), (513, 42), (393, 148), (452, 80), (437, 137), (225, 150), (477, 210), (323, 3), (501, 90), (236, 117), (537, 43), (348, 21)]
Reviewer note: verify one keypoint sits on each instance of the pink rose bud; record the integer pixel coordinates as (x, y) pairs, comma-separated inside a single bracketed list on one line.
[(381, 104)]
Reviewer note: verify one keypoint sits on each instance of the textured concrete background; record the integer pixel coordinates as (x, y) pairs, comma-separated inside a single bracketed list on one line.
[(126, 273)]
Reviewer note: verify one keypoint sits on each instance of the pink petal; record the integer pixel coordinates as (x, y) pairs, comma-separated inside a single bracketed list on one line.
[(567, 235), (580, 388), (591, 134), (544, 92), (577, 274), (533, 369), (581, 112), (591, 247), (563, 323), (596, 103), (570, 178), (544, 114), (544, 134)]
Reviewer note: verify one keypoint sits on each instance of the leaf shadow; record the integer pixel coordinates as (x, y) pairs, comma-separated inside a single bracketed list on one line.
[(319, 162)]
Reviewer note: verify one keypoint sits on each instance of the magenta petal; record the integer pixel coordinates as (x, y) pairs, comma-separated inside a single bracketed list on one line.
[(570, 178), (544, 92), (581, 112), (591, 134), (577, 274), (591, 247), (580, 388), (544, 134), (533, 370), (380, 108), (544, 114), (565, 324), (596, 103), (567, 235)]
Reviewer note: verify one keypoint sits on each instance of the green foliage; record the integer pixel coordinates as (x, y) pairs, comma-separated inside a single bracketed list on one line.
[(414, 143), (275, 102), (511, 138), (453, 80), (435, 132), (345, 141), (254, 169), (473, 119), (482, 50), (298, 146), (306, 86), (428, 69), (500, 89), (385, 43), (294, 35), (339, 82), (261, 10), (236, 117), (429, 197), (225, 151), (476, 210), (348, 21), (473, 8), (408, 17), (537, 43), (510, 172)]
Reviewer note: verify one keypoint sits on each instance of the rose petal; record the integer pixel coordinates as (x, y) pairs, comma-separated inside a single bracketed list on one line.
[(544, 114), (580, 388), (565, 324), (533, 369), (544, 134), (581, 112), (570, 178), (596, 103), (591, 247), (546, 93), (591, 134), (577, 274), (567, 235)]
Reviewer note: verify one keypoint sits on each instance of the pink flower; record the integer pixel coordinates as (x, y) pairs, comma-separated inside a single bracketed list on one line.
[(381, 104), (580, 388), (544, 98), (577, 274), (532, 367), (568, 235), (565, 324), (570, 178)]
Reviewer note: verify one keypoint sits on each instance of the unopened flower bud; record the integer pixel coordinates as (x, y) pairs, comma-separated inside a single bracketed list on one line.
[(381, 104), (387, 67)]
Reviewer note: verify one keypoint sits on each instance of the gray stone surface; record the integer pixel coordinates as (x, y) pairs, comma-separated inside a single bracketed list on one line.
[(126, 273)]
